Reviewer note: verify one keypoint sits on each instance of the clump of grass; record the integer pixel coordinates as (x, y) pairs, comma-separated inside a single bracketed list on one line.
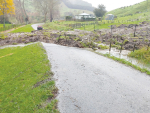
[(88, 44), (142, 54), (21, 71), (77, 39), (103, 47), (3, 36)]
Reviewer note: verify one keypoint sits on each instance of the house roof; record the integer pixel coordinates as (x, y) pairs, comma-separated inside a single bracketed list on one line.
[(84, 14), (109, 14)]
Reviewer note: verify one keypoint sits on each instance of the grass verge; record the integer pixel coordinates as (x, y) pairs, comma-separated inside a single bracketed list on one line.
[(26, 28), (123, 61), (25, 81), (142, 54), (55, 26)]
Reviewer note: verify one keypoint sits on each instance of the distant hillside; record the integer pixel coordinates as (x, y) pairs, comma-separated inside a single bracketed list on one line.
[(78, 4), (65, 11), (133, 9)]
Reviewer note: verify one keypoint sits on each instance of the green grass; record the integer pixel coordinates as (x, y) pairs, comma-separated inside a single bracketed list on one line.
[(103, 47), (142, 54), (56, 26), (140, 7), (3, 36), (21, 68), (106, 25), (26, 28), (102, 25), (123, 61)]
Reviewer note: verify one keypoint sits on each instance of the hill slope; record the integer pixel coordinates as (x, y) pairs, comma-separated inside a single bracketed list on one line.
[(65, 11), (129, 10), (78, 4)]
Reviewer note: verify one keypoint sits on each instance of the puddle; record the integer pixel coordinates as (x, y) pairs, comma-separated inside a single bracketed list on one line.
[(18, 45), (124, 55)]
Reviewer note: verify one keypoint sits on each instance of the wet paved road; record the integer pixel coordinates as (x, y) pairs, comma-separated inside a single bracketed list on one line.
[(34, 26), (90, 83)]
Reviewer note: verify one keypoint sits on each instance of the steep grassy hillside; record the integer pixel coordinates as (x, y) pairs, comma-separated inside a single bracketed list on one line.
[(134, 9), (64, 10)]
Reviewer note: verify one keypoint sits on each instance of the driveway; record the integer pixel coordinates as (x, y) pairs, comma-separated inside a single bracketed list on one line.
[(90, 83), (34, 26)]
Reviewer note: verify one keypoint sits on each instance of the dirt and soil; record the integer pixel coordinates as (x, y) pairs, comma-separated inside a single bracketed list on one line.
[(79, 38)]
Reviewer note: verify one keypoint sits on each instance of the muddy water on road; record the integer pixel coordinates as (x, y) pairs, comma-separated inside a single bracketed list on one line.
[(90, 83), (124, 55)]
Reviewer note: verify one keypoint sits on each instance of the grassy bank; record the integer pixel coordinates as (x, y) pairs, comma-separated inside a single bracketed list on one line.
[(106, 25), (26, 28), (142, 54), (56, 26), (89, 27), (123, 61), (22, 70)]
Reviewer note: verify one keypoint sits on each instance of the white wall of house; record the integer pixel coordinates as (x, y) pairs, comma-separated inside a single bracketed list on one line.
[(82, 15)]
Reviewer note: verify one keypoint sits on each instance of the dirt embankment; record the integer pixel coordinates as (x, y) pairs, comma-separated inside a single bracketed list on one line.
[(128, 38)]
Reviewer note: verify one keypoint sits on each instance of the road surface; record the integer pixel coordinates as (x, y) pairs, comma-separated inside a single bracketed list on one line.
[(90, 83), (34, 26)]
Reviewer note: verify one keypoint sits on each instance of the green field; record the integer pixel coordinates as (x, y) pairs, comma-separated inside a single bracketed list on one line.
[(137, 8), (56, 26), (21, 70), (104, 24), (26, 28)]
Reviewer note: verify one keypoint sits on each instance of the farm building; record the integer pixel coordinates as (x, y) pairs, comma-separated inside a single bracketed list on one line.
[(109, 17), (84, 16)]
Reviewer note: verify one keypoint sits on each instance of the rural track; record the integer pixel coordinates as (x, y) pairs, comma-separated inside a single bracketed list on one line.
[(34, 26), (90, 83)]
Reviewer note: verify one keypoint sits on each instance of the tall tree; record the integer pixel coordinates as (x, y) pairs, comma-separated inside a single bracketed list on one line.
[(47, 7), (6, 7), (100, 11), (42, 6)]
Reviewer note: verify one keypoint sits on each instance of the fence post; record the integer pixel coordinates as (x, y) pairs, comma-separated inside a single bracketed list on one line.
[(111, 30), (135, 30), (134, 47), (148, 47), (121, 48), (110, 47)]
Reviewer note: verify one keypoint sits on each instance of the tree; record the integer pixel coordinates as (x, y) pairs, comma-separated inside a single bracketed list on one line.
[(6, 7), (41, 5), (100, 11), (53, 5), (47, 7)]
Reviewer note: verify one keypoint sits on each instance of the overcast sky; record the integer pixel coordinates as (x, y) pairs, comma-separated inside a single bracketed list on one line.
[(113, 4)]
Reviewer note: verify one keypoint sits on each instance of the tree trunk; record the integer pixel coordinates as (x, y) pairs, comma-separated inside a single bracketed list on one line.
[(51, 17), (45, 17), (3, 18)]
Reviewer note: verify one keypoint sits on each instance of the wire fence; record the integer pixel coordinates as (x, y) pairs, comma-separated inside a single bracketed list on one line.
[(96, 24), (8, 27)]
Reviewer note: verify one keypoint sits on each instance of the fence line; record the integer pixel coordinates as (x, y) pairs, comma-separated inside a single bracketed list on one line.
[(8, 27)]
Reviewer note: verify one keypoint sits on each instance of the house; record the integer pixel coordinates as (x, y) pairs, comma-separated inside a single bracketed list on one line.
[(84, 16)]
